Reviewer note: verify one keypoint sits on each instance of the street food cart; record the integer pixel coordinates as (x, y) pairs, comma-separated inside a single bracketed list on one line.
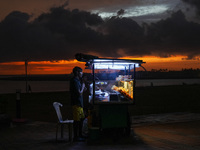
[(113, 88)]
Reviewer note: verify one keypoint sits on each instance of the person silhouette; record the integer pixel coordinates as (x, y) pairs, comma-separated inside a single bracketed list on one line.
[(76, 91)]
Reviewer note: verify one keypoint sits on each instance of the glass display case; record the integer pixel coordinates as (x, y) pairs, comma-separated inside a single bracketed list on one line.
[(115, 91), (114, 80)]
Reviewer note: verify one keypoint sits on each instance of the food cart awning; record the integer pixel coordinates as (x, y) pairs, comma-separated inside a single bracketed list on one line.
[(106, 63), (103, 63)]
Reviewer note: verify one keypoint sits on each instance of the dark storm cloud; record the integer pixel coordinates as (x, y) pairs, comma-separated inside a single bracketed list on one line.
[(195, 3), (52, 36), (61, 33), (121, 33), (174, 35)]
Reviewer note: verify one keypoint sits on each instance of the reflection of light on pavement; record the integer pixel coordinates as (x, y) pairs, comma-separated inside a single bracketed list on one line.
[(164, 118)]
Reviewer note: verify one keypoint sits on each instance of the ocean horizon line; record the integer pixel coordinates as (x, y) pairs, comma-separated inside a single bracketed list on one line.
[(10, 86)]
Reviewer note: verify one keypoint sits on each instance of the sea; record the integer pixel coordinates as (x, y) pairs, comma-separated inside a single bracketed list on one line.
[(11, 86)]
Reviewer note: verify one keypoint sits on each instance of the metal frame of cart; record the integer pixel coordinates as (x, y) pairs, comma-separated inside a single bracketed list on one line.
[(113, 114), (114, 64)]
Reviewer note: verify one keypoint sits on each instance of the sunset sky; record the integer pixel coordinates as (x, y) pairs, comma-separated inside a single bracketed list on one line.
[(164, 34)]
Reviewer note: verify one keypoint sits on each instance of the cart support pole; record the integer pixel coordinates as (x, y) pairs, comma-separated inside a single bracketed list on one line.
[(26, 65), (134, 82), (18, 103), (93, 83)]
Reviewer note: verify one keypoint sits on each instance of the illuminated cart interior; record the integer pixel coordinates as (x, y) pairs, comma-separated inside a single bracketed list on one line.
[(113, 89), (114, 80)]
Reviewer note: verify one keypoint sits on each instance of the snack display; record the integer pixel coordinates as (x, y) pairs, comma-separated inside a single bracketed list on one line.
[(115, 90), (125, 88)]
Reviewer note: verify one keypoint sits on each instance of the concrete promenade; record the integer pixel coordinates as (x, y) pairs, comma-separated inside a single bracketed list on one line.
[(176, 131)]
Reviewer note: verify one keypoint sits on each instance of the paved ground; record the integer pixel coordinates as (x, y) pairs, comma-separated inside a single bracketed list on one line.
[(179, 131)]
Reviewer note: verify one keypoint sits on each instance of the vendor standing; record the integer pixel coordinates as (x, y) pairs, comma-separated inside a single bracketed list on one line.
[(86, 102), (76, 91)]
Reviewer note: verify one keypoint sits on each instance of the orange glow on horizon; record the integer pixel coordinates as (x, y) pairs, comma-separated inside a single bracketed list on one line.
[(65, 67), (170, 63), (158, 59)]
